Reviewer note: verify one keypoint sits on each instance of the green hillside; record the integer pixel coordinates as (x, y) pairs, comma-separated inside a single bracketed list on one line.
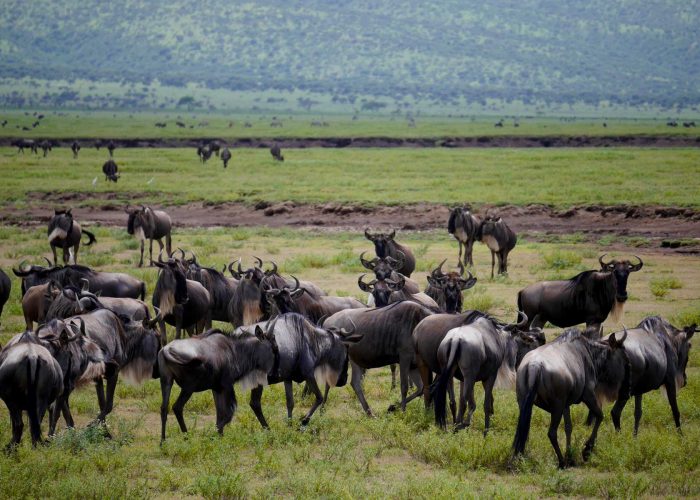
[(386, 56)]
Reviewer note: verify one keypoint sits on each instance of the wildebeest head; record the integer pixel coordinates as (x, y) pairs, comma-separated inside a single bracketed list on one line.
[(139, 219), (452, 284), (342, 339), (614, 369), (34, 275), (488, 225), (284, 296), (382, 242), (525, 340), (172, 280), (382, 267), (65, 302), (255, 273), (621, 270), (683, 345), (381, 290), (60, 225)]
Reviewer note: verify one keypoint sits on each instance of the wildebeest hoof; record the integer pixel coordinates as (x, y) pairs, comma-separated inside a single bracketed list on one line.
[(304, 422), (392, 408)]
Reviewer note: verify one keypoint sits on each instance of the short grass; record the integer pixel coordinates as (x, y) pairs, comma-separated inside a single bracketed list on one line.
[(343, 453), (560, 177), (70, 124)]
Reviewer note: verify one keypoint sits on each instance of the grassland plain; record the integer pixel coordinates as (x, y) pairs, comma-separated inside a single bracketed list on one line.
[(343, 453), (123, 125), (559, 177)]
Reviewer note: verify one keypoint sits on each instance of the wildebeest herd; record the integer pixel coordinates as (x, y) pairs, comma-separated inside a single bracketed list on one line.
[(88, 326)]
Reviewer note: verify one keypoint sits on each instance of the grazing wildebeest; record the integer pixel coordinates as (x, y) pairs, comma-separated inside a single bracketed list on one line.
[(215, 147), (658, 354), (225, 156), (220, 288), (385, 292), (111, 147), (5, 288), (386, 339), (385, 246), (465, 228), (485, 351), (75, 147), (20, 144), (64, 232), (500, 239), (573, 369), (276, 153), (148, 224), (183, 303), (216, 361), (446, 288), (30, 380), (45, 146), (308, 353), (589, 297), (110, 169)]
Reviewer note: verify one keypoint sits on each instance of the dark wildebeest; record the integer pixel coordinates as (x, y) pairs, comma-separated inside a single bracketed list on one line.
[(588, 297), (148, 224), (216, 361), (500, 239), (111, 147), (183, 303), (5, 288), (446, 288), (110, 169), (215, 147), (220, 288), (75, 147), (465, 228), (276, 153), (386, 339), (385, 292), (485, 351), (20, 144), (225, 156), (658, 354), (64, 232), (387, 267), (248, 304), (308, 353), (30, 380), (573, 369), (45, 146), (385, 246)]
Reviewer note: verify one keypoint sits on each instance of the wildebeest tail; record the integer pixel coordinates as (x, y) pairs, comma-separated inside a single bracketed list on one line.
[(32, 380), (142, 293), (522, 430), (91, 238), (440, 389)]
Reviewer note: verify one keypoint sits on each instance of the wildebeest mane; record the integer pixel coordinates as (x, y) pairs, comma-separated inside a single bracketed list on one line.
[(217, 286)]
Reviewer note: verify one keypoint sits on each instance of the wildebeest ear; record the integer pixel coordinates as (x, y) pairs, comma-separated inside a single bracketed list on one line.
[(68, 212), (353, 338), (690, 331), (616, 343), (259, 333)]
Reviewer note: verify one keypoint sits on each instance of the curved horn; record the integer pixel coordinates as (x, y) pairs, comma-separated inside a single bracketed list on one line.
[(437, 272), (48, 262), (519, 324), (296, 283), (86, 285), (393, 233), (637, 267), (274, 267), (182, 252), (367, 264), (240, 271), (259, 260), (365, 287), (194, 257), (468, 282), (604, 265)]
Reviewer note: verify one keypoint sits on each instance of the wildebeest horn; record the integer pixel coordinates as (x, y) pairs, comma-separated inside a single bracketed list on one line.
[(81, 329), (152, 323), (437, 272), (365, 287), (240, 270), (296, 283), (636, 267), (259, 260), (274, 267), (519, 324), (393, 233), (182, 252), (194, 257), (468, 282), (367, 264), (86, 285), (48, 262), (604, 265)]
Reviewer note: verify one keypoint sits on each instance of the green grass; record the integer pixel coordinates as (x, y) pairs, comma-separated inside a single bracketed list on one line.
[(561, 177), (660, 286)]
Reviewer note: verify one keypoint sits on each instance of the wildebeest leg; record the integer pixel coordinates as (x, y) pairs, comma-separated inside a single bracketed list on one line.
[(425, 379), (289, 397), (17, 426), (313, 386), (637, 412), (671, 393), (55, 409), (462, 403), (35, 412), (150, 248), (99, 388), (493, 262), (109, 399), (256, 406), (180, 402), (459, 258), (453, 404), (67, 416), (76, 247), (469, 392), (356, 383), (66, 255), (404, 368), (225, 402), (143, 244), (568, 428), (488, 402), (168, 243), (589, 400), (393, 376), (504, 262), (538, 321), (468, 258), (163, 333), (552, 434), (166, 385), (413, 376), (616, 412), (55, 257)]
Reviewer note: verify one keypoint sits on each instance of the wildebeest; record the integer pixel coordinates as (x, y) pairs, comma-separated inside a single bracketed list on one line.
[(111, 147), (589, 297), (225, 156), (214, 147), (75, 147), (64, 232), (276, 153), (500, 239), (386, 246), (183, 303), (572, 369), (220, 288), (148, 224), (658, 355), (111, 170), (5, 288), (36, 302), (387, 267), (386, 339), (385, 292), (465, 228), (45, 146), (485, 351), (30, 380), (204, 153), (216, 361), (446, 288), (20, 144)]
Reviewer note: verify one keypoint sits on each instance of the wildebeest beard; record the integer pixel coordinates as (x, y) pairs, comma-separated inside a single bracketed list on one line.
[(130, 223)]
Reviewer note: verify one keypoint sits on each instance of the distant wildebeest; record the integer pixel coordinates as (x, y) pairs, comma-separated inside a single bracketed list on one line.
[(30, 380), (658, 355), (220, 288), (5, 288), (672, 123), (111, 147), (215, 147), (45, 146), (20, 144), (498, 124), (572, 369), (64, 232), (276, 153), (180, 124), (183, 303), (485, 351), (589, 297), (386, 246), (386, 339), (247, 125), (308, 353), (216, 361), (689, 124), (75, 147), (148, 224), (106, 284), (465, 228), (110, 169), (500, 239), (161, 124), (225, 156)]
